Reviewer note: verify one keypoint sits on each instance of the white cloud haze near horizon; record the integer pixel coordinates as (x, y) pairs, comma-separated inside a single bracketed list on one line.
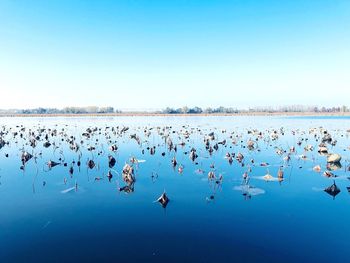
[(139, 55)]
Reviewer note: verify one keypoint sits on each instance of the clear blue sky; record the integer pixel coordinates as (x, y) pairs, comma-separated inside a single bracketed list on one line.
[(153, 54)]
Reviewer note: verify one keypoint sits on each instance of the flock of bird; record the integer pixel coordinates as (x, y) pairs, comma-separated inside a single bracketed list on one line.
[(93, 145)]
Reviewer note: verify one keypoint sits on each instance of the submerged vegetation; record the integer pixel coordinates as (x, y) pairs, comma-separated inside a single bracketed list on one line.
[(98, 149)]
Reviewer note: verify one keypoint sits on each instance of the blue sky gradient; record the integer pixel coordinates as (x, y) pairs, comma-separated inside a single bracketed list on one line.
[(153, 54)]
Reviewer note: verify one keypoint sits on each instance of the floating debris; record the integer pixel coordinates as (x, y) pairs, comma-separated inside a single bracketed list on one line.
[(163, 200), (328, 174), (317, 168), (280, 174), (26, 156), (268, 177), (211, 175), (174, 162), (109, 176), (47, 144), (128, 174), (210, 198), (51, 164), (91, 164), (113, 148), (333, 158), (332, 190), (203, 147), (127, 189), (193, 155)]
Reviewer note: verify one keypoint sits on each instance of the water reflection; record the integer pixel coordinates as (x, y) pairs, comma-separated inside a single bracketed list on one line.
[(209, 175)]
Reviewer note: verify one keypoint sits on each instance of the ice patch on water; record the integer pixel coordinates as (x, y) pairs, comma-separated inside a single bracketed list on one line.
[(249, 190)]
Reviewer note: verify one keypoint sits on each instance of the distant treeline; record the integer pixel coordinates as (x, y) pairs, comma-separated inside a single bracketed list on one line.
[(293, 108), (300, 108), (66, 110), (198, 110), (183, 110)]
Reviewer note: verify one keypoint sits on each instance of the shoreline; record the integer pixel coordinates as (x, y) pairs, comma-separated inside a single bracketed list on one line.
[(145, 114)]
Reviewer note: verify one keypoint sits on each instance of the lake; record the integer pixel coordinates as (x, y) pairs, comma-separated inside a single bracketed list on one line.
[(227, 202)]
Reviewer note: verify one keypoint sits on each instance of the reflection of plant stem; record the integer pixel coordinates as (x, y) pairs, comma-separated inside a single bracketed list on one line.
[(34, 179), (290, 174)]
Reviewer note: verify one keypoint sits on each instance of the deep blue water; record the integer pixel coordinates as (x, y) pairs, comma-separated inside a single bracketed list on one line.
[(292, 220)]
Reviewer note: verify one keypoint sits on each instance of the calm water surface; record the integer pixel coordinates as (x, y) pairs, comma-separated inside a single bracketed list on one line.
[(292, 220)]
